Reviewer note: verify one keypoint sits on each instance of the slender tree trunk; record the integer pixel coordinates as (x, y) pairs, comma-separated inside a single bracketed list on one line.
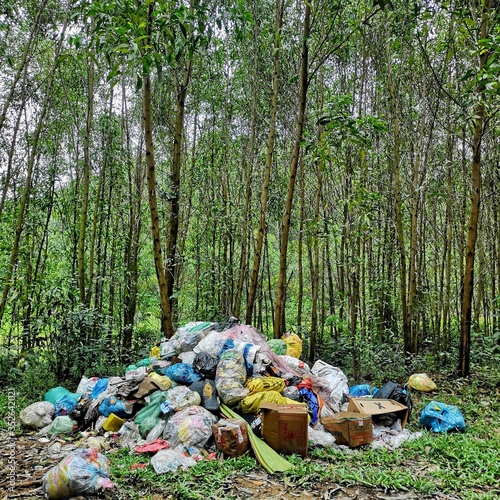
[(269, 158), (281, 292), (468, 280)]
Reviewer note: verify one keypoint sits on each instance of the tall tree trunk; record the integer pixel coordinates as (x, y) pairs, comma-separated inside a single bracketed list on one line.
[(304, 82), (468, 280), (269, 158)]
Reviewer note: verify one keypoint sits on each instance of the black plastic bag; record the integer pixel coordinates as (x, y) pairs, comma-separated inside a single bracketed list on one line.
[(206, 365), (396, 392)]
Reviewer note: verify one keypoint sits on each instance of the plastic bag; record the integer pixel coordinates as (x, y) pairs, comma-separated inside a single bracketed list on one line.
[(278, 346), (260, 384), (205, 364), (183, 373), (128, 435), (293, 344), (86, 385), (185, 339), (100, 386), (149, 416), (179, 398), (189, 427), (336, 382), (397, 392), (171, 460), (85, 471), (318, 437), (64, 406), (212, 344), (187, 357), (422, 382), (231, 376), (208, 393), (37, 415), (440, 417), (156, 431), (117, 406), (251, 404), (161, 379), (362, 390), (296, 364), (57, 393), (60, 425), (292, 392)]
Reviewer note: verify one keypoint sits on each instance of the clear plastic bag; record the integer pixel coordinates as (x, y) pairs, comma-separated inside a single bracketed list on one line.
[(37, 415), (60, 425), (85, 471), (171, 460), (179, 398), (230, 377)]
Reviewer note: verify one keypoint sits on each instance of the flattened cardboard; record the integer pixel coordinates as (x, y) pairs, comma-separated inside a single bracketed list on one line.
[(349, 428), (285, 427), (374, 407)]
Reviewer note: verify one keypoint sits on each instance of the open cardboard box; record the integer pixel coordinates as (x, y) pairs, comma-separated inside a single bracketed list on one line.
[(377, 407), (349, 428), (284, 427)]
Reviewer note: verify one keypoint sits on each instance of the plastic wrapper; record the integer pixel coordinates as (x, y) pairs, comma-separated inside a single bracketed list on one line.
[(334, 381), (149, 416), (318, 437), (205, 364), (117, 406), (293, 344), (251, 404), (190, 427), (422, 382), (182, 373), (261, 384), (296, 364), (37, 415), (57, 393), (440, 417), (86, 385), (278, 346), (85, 471), (171, 460), (60, 425), (230, 377), (179, 398)]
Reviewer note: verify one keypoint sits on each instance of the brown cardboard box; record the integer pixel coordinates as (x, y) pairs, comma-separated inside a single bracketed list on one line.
[(231, 436), (377, 407), (284, 427), (349, 428)]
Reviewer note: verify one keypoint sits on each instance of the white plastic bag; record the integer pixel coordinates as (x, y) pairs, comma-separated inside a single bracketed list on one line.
[(171, 460), (37, 415), (334, 380)]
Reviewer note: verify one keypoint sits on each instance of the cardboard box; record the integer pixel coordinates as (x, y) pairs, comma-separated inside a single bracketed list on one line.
[(231, 436), (349, 428), (379, 407), (285, 427)]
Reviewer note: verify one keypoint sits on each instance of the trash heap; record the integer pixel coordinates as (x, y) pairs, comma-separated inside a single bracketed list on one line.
[(224, 387)]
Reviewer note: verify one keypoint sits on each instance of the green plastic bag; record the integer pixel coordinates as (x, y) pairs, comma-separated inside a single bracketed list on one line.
[(277, 346), (57, 393), (150, 415)]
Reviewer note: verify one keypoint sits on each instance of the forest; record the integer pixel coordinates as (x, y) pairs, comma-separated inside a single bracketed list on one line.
[(327, 167)]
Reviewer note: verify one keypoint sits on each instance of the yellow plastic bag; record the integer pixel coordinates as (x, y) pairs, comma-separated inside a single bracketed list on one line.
[(161, 379), (422, 382), (155, 352), (261, 384), (251, 404), (293, 345)]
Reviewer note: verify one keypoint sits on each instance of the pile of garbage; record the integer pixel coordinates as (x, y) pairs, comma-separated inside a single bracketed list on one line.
[(215, 387)]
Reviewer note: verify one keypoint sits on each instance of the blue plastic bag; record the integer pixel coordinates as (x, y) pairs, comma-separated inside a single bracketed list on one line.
[(64, 406), (100, 386), (440, 417), (114, 405), (182, 372), (362, 390)]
